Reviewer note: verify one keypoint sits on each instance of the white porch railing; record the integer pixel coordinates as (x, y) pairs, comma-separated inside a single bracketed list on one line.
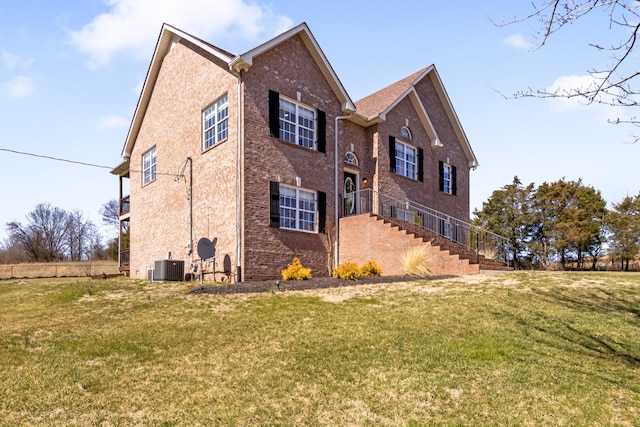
[(403, 212)]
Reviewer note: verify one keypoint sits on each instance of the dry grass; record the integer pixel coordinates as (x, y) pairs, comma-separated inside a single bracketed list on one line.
[(503, 349), (415, 261)]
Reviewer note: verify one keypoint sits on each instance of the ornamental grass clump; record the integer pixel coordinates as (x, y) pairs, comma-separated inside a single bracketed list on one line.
[(415, 261), (295, 271)]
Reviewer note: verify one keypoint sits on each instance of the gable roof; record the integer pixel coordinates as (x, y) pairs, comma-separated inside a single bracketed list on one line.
[(245, 61), (168, 35), (374, 108), (237, 64)]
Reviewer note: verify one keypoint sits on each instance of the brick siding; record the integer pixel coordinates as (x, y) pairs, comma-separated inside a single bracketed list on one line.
[(366, 237)]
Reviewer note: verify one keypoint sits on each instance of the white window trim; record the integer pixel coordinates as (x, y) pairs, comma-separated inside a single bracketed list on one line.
[(447, 183), (298, 210), (406, 133), (298, 128), (403, 162), (351, 159), (149, 166), (219, 133)]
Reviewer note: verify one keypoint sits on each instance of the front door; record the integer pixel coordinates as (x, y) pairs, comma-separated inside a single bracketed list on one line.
[(349, 193)]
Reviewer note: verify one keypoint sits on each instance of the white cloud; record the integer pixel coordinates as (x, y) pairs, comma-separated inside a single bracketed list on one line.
[(132, 26), (112, 121), (567, 85), (603, 111), (518, 41), (19, 87), (12, 61)]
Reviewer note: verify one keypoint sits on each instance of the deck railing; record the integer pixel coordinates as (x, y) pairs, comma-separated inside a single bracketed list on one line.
[(401, 212), (125, 205)]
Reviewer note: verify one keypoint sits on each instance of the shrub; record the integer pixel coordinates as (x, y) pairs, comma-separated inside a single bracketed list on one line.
[(347, 271), (351, 270), (295, 271), (370, 269), (415, 261)]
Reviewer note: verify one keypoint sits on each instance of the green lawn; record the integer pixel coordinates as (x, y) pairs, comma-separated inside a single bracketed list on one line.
[(524, 348)]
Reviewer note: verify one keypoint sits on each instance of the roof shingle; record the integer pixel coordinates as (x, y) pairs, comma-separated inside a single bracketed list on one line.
[(379, 101)]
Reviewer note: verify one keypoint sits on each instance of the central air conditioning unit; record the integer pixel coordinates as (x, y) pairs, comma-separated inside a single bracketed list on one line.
[(168, 270)]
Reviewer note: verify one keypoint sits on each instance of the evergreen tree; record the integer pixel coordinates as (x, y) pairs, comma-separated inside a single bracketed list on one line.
[(507, 213), (623, 222), (569, 220)]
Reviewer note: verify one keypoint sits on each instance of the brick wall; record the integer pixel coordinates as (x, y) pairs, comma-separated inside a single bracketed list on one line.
[(365, 237), (290, 70), (189, 81)]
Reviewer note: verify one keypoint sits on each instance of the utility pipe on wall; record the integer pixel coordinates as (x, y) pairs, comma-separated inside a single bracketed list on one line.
[(239, 172), (336, 192)]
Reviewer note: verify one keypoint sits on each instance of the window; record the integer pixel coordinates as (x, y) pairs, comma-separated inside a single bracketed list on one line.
[(446, 179), (448, 184), (297, 209), (446, 228), (351, 158), (406, 160), (294, 208), (215, 122), (406, 133), (149, 166), (296, 123)]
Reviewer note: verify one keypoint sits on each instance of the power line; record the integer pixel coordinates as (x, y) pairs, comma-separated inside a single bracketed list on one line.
[(55, 158), (93, 165)]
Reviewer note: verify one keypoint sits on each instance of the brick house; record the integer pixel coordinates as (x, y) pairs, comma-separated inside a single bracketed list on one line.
[(265, 154)]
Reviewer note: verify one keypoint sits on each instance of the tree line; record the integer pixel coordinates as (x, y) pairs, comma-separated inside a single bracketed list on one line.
[(561, 222), (53, 234)]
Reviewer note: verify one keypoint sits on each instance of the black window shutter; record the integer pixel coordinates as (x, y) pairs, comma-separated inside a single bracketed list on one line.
[(392, 153), (454, 183), (441, 176), (420, 165), (322, 211), (274, 114), (274, 204), (322, 131)]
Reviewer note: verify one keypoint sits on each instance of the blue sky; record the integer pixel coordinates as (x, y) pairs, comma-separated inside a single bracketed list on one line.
[(71, 73)]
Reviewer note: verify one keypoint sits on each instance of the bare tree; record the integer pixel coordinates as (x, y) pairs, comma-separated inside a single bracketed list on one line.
[(110, 212), (81, 236), (11, 252), (43, 237), (617, 82)]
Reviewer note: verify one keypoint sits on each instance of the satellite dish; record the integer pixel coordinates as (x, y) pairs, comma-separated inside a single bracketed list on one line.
[(226, 264), (206, 249)]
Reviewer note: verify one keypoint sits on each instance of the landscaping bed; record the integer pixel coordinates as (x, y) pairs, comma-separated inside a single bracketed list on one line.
[(297, 285)]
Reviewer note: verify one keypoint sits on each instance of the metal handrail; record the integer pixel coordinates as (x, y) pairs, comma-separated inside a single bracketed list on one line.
[(409, 213)]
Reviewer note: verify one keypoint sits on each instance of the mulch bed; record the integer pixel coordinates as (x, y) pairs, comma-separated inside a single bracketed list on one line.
[(297, 285)]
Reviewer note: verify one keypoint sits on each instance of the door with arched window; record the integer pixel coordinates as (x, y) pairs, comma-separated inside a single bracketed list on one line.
[(349, 193)]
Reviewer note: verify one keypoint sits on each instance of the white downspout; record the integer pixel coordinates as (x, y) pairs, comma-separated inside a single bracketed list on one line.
[(336, 201), (239, 195)]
